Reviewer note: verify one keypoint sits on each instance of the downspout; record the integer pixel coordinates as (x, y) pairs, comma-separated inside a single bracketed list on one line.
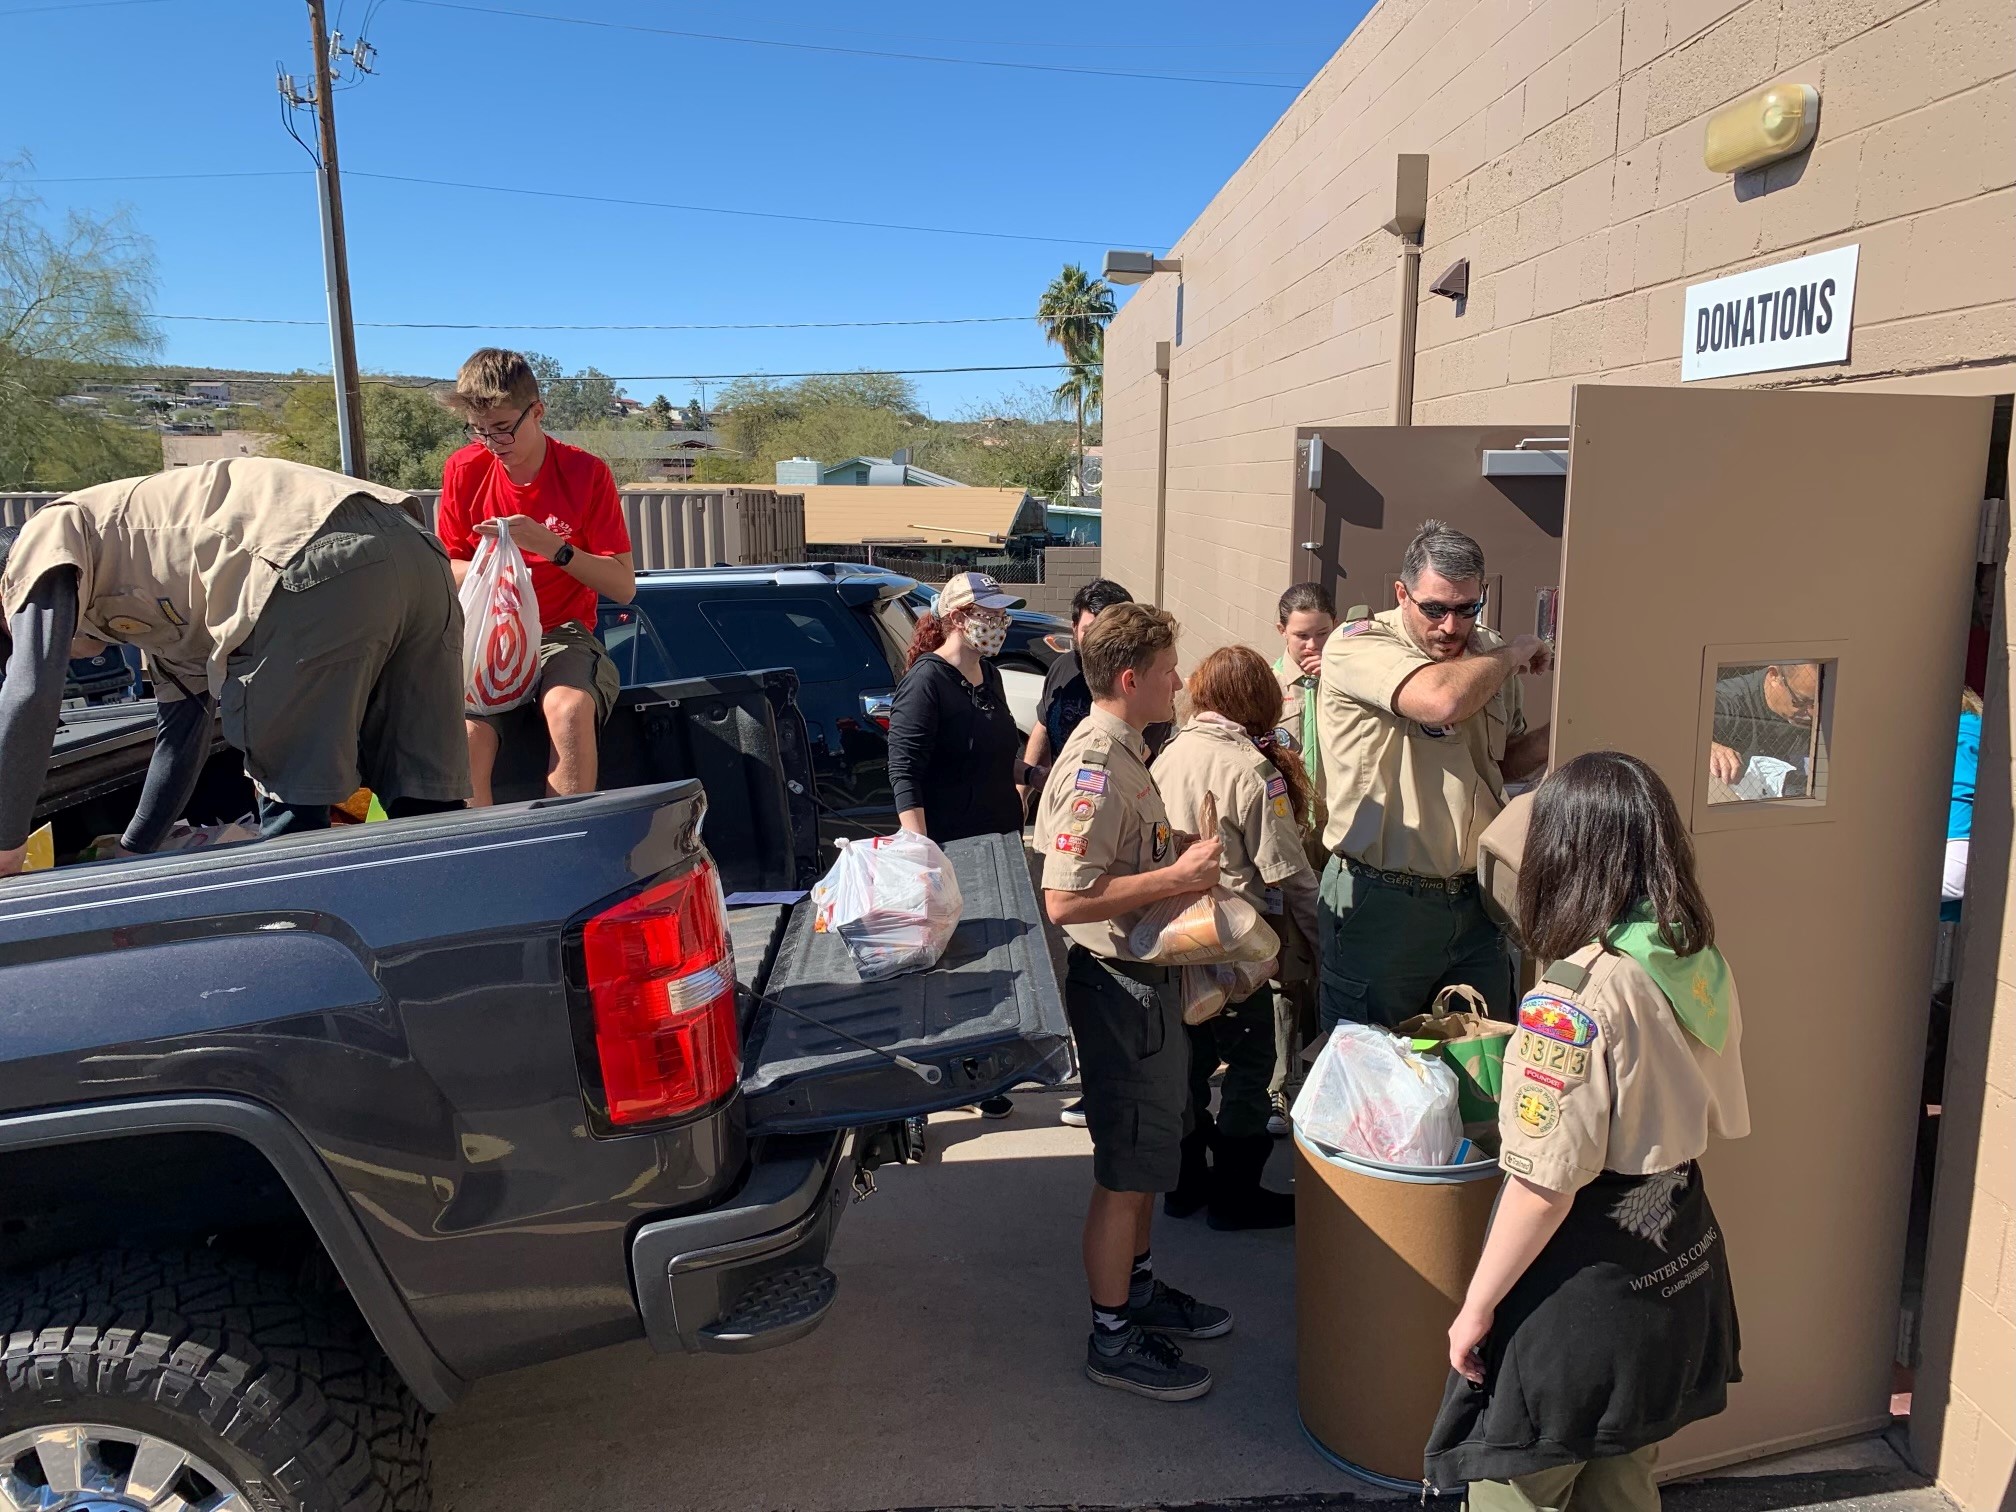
[(1410, 214), (1162, 471)]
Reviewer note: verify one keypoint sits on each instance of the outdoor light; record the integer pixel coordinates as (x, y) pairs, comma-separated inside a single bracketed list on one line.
[(1773, 123), (1135, 267)]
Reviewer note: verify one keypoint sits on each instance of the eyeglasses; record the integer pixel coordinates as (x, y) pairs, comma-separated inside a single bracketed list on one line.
[(499, 432), (1433, 612), (1804, 705)]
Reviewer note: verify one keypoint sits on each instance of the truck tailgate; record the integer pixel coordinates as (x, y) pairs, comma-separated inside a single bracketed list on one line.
[(989, 1017)]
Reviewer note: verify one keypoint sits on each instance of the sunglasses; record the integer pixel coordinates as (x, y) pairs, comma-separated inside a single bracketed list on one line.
[(1434, 612), (499, 432)]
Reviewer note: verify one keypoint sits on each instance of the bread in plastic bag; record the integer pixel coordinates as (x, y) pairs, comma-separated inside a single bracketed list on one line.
[(501, 629), (893, 900), (1372, 1095), (1208, 989), (1213, 928)]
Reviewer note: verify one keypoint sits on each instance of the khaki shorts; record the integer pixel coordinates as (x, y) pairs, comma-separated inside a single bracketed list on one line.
[(352, 675), (570, 657)]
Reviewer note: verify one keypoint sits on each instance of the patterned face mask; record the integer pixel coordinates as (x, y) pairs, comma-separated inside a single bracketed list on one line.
[(987, 633)]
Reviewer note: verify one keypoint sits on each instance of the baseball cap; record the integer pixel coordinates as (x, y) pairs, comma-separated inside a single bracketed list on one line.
[(970, 588)]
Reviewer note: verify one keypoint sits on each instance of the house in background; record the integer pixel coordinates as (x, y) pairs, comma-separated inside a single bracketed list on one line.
[(212, 391), (648, 456), (861, 472)]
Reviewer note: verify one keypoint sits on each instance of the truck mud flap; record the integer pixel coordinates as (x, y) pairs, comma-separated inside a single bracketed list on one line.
[(827, 1050)]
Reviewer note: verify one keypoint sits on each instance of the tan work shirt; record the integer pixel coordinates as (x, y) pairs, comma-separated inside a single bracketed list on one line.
[(180, 563), (1256, 820), (1101, 814), (1405, 796), (1602, 1076)]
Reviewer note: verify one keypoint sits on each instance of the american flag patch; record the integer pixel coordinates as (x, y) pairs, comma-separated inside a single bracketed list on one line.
[(1277, 786), (1090, 780)]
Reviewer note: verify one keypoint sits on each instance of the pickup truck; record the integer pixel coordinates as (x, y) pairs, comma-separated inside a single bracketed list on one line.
[(299, 1137)]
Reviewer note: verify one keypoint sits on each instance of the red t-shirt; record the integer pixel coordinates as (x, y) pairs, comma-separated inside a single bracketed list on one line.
[(573, 495)]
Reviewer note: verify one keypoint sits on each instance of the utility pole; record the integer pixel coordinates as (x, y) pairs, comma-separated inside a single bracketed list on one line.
[(335, 258)]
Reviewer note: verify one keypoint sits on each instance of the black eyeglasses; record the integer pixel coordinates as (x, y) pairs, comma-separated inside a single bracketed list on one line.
[(499, 432), (1433, 612)]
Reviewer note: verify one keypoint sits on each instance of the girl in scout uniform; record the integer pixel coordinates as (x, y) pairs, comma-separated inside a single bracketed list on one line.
[(1227, 751), (1601, 1318)]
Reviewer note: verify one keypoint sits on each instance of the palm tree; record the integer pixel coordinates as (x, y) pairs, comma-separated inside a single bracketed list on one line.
[(1074, 311)]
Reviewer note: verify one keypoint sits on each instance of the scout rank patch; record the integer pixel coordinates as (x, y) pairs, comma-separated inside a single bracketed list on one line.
[(1551, 1055), (1538, 1110), (1071, 845), (1090, 780), (1556, 1018), (1277, 790)]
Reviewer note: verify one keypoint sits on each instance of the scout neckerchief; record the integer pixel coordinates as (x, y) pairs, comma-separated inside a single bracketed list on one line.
[(1697, 985), (1312, 755)]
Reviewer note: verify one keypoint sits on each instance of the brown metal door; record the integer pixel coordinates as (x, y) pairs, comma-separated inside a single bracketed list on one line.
[(1713, 536), (1378, 483)]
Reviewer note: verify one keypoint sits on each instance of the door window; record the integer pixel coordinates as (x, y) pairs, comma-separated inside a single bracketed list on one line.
[(633, 645), (814, 637), (1769, 735)]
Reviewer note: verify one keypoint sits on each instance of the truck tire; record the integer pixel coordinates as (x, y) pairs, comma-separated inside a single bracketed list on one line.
[(135, 1374)]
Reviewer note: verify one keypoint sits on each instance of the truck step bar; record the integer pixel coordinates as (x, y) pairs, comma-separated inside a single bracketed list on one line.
[(782, 1306)]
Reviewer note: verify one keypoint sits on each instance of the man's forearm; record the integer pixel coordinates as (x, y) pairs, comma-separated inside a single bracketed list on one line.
[(611, 576), (181, 747), (31, 699), (1112, 896), (1450, 692)]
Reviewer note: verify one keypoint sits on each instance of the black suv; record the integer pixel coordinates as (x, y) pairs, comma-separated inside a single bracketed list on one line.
[(844, 629)]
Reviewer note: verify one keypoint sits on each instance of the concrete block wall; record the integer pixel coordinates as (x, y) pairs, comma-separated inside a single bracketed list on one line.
[(1565, 162)]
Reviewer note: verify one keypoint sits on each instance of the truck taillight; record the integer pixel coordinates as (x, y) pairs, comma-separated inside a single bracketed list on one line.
[(661, 979)]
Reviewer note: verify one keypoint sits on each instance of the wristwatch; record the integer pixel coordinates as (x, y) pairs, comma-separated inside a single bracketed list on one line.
[(564, 555)]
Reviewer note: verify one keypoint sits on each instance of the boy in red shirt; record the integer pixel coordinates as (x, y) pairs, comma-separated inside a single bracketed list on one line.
[(560, 503)]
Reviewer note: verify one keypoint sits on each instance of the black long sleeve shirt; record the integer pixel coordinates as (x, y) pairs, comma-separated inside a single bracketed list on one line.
[(953, 749)]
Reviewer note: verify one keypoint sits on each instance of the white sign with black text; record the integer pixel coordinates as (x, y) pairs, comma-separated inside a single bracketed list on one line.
[(1789, 315)]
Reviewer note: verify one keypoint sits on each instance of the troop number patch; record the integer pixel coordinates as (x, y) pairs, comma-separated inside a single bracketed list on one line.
[(1551, 1055)]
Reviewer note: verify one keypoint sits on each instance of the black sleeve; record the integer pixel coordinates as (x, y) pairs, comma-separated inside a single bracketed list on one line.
[(181, 746), (913, 730), (1061, 671), (31, 697)]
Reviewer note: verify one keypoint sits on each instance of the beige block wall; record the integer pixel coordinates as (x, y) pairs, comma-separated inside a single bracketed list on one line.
[(1565, 162)]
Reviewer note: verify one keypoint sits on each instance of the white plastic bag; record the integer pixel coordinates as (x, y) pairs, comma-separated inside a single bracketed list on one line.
[(1208, 989), (1371, 1094), (1209, 928), (893, 900), (500, 627)]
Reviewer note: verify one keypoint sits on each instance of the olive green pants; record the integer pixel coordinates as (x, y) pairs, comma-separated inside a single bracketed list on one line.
[(1388, 949), (1620, 1484)]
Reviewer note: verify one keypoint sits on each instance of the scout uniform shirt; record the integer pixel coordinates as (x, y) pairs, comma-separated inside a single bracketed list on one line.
[(181, 563), (1602, 1075), (1101, 813), (1405, 796), (1256, 821)]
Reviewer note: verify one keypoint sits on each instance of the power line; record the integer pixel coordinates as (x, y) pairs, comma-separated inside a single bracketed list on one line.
[(850, 52), (77, 5), (477, 325), (160, 178), (288, 380)]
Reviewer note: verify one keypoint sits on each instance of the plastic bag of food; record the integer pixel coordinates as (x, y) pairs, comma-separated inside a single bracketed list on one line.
[(1214, 928), (893, 900), (500, 627), (1372, 1095), (1208, 989)]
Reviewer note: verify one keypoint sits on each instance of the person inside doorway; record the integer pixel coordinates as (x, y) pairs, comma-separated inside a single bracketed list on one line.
[(559, 503), (1764, 718), (1109, 852), (326, 587), (1421, 724), (1226, 758), (1601, 1318)]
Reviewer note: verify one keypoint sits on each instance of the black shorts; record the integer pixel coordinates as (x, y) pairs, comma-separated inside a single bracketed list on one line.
[(1133, 1066)]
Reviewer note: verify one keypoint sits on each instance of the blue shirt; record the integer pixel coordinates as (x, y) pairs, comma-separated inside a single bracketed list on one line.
[(1966, 761)]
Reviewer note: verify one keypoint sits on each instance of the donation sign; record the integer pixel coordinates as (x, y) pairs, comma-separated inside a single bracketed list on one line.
[(1789, 315)]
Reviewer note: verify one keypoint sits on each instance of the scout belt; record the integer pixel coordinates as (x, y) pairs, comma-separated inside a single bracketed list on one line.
[(1455, 886)]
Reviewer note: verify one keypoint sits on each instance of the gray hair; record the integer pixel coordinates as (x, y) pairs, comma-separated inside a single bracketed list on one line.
[(1451, 553)]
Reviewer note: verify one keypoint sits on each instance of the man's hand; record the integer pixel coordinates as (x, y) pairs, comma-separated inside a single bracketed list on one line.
[(526, 531), (1466, 1344), (1531, 655), (1724, 765), (1197, 867), (11, 861)]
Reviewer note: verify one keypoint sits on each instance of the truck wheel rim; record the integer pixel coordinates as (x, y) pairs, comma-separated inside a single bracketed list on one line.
[(94, 1467)]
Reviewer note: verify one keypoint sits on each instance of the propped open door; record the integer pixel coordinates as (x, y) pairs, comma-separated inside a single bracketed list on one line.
[(1810, 557)]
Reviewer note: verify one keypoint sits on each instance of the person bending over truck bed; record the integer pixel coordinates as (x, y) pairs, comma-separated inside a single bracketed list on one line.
[(560, 504), (313, 607)]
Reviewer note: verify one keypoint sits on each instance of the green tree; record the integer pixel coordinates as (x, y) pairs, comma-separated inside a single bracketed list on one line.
[(584, 401), (1074, 311), (660, 413), (73, 301), (408, 433)]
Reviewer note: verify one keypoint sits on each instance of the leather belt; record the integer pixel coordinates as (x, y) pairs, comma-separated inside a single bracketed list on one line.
[(1454, 887)]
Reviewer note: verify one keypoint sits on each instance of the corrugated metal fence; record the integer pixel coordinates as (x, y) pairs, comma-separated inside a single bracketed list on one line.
[(668, 528)]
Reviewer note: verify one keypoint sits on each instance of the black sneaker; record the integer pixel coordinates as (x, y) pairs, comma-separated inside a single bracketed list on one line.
[(1073, 1114), (997, 1107), (1170, 1311), (1147, 1365)]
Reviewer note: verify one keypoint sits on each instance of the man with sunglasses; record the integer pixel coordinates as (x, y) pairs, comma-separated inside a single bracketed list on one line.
[(1421, 723), (561, 507), (1767, 712)]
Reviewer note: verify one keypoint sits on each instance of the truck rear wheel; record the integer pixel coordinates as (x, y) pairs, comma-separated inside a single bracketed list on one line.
[(198, 1381)]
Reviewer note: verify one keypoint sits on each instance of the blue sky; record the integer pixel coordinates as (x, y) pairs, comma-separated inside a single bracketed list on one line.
[(186, 87)]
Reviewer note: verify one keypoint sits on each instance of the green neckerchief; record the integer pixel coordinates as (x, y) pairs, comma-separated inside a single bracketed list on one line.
[(1697, 985), (1312, 756)]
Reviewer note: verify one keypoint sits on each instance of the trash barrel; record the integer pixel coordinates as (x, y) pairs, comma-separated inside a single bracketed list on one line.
[(1383, 1255)]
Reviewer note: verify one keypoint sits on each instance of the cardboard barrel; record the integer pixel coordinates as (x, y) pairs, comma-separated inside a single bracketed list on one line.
[(1383, 1255)]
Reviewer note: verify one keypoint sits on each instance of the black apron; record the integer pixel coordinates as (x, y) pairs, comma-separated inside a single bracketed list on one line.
[(1619, 1334)]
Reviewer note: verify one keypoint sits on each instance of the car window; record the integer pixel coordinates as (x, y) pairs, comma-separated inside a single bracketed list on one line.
[(633, 645), (814, 637)]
